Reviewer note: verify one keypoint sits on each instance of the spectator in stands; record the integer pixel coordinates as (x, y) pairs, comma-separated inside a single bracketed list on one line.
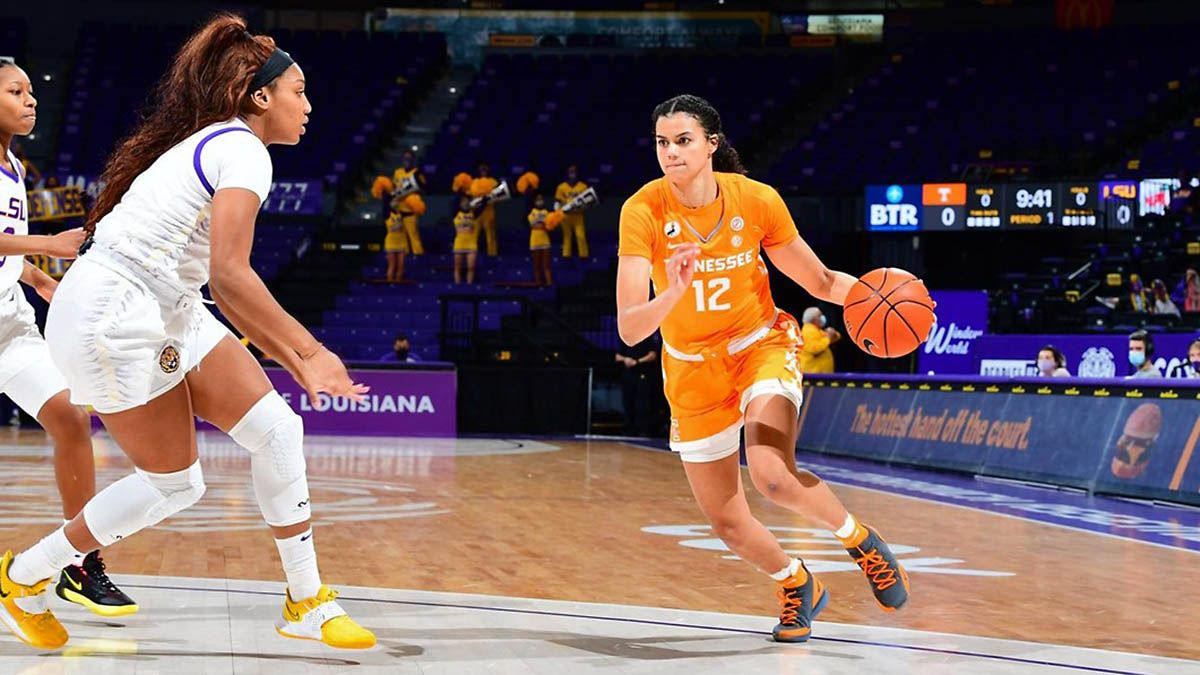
[(400, 351), (1162, 301), (639, 379), (395, 244), (1139, 300), (1194, 359), (1051, 362), (1141, 355), (573, 223), (466, 240), (408, 167), (1191, 291), (816, 336), (481, 186), (539, 242), (33, 177)]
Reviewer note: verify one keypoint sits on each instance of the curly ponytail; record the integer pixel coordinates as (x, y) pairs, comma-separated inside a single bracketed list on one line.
[(725, 158), (208, 82)]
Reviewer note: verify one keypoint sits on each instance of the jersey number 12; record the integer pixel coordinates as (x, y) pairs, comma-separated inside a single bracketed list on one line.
[(716, 288)]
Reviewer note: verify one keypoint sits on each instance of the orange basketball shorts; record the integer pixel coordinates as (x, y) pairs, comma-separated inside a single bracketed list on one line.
[(709, 392)]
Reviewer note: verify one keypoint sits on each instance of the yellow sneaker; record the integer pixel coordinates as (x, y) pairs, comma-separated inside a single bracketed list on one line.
[(23, 611), (322, 619)]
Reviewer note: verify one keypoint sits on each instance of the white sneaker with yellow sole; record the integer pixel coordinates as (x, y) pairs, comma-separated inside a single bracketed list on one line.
[(322, 619)]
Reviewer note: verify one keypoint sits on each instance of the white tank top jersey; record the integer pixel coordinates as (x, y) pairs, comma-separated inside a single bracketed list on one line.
[(161, 223), (14, 219)]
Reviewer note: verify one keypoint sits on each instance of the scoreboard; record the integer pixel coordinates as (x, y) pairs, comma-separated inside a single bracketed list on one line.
[(947, 207)]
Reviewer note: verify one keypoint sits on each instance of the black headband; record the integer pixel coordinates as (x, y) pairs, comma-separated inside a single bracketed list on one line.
[(278, 62)]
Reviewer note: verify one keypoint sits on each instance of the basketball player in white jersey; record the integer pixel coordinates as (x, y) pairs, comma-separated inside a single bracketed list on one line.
[(27, 375), (130, 333)]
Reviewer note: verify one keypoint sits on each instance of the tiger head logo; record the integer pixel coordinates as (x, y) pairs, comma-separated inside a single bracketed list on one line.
[(168, 359)]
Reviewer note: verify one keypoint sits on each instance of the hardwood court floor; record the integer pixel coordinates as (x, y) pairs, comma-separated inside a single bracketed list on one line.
[(614, 523)]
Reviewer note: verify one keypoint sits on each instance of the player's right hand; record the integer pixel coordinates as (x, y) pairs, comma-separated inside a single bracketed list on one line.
[(65, 244), (324, 372), (681, 266)]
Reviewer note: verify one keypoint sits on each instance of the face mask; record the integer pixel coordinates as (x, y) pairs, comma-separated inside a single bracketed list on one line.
[(572, 176), (823, 321), (1046, 365), (1137, 359), (402, 353), (1196, 366)]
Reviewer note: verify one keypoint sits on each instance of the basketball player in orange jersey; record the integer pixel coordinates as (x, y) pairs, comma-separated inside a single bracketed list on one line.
[(730, 356)]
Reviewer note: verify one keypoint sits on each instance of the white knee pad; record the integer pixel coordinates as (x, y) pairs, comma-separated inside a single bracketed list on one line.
[(141, 500), (274, 435)]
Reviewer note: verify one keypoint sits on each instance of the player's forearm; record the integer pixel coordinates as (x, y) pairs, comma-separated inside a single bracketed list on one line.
[(35, 278), (840, 286), (243, 297), (17, 244), (830, 286), (638, 322)]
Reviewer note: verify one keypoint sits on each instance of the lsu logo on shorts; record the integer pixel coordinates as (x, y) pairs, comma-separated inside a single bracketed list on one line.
[(168, 359)]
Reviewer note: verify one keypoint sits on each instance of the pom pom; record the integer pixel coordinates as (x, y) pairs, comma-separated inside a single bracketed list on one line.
[(382, 186), (554, 219), (415, 204), (462, 182), (528, 181)]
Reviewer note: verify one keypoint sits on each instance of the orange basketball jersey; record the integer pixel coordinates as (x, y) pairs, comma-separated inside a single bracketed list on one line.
[(730, 295)]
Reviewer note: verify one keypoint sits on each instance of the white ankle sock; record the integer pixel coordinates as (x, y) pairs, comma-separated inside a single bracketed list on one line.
[(44, 559), (847, 527), (299, 558), (788, 571)]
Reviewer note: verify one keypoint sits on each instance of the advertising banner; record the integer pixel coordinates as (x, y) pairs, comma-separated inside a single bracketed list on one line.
[(56, 204), (961, 321), (400, 403), (1087, 355), (296, 197), (468, 32), (1135, 441)]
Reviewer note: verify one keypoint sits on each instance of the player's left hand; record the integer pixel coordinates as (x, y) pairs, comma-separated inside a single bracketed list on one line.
[(324, 372)]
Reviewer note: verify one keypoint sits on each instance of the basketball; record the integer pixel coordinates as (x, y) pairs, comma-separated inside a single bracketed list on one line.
[(888, 312)]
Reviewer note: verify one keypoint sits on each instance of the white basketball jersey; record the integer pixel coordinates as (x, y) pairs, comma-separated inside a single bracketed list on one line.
[(161, 222), (14, 219)]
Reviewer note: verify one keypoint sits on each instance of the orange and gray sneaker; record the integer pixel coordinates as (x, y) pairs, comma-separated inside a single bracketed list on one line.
[(800, 602), (889, 581), (322, 619), (23, 611)]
